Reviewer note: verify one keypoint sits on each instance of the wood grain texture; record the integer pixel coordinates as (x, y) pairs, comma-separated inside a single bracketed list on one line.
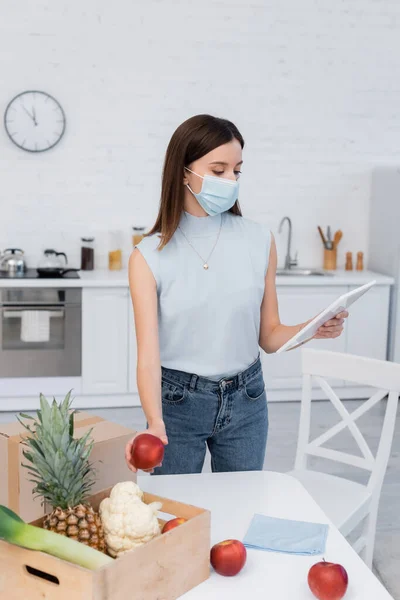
[(17, 584), (164, 568)]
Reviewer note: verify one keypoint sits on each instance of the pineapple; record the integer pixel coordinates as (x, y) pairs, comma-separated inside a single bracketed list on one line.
[(63, 476)]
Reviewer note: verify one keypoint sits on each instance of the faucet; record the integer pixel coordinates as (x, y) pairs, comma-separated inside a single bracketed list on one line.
[(289, 262)]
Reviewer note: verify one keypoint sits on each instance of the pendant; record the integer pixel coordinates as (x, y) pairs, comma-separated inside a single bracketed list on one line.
[(205, 266)]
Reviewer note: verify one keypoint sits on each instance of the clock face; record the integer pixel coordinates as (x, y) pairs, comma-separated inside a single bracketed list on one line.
[(34, 121)]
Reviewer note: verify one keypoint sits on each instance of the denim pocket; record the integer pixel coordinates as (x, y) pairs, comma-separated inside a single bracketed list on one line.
[(172, 393), (254, 389)]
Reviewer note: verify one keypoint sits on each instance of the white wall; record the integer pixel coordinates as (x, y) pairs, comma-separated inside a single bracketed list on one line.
[(313, 86)]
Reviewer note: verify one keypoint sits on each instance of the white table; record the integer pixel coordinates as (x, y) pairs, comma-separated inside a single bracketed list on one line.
[(233, 498)]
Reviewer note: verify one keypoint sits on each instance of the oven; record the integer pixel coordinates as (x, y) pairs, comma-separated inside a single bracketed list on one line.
[(40, 332)]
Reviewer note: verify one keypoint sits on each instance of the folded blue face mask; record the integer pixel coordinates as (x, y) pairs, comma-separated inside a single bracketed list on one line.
[(217, 195)]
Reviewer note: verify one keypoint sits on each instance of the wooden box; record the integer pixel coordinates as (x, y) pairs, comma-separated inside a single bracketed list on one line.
[(107, 456), (163, 569)]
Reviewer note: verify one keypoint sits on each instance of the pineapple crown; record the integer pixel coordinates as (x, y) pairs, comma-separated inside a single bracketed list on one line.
[(58, 464)]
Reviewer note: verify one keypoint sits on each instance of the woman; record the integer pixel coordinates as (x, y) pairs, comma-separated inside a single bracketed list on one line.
[(204, 298)]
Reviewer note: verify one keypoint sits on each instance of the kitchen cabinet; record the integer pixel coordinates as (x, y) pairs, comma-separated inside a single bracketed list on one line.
[(109, 353), (105, 340), (297, 305), (367, 328), (365, 334)]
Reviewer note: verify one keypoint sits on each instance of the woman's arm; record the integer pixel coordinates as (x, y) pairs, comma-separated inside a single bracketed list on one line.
[(143, 291), (272, 333)]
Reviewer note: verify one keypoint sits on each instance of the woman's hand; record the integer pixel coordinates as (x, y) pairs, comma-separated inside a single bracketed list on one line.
[(157, 429), (332, 328)]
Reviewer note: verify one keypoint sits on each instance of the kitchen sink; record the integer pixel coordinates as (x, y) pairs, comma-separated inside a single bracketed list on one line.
[(294, 272)]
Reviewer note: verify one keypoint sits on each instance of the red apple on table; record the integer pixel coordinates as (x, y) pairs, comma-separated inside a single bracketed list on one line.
[(173, 523), (228, 558), (147, 451), (328, 581)]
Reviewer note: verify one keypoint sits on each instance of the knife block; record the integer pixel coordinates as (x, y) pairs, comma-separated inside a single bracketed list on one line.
[(330, 259)]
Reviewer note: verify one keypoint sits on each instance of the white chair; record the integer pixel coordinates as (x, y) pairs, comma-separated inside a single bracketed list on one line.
[(346, 502)]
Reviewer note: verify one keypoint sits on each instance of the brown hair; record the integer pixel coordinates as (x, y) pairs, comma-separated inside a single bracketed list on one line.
[(193, 139)]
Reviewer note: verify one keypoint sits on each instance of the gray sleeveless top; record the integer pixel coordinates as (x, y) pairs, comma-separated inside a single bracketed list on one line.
[(209, 320)]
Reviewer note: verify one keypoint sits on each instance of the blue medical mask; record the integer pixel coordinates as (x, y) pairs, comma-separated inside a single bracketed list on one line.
[(217, 195)]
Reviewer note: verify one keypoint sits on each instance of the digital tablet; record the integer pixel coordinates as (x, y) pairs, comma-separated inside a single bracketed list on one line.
[(341, 304)]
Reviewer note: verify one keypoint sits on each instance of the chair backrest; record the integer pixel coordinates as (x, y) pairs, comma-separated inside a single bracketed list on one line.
[(384, 376)]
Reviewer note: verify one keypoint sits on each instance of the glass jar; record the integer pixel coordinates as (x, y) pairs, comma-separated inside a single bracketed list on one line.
[(87, 254), (138, 235), (115, 251)]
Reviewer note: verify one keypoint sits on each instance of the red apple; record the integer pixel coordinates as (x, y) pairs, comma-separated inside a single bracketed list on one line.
[(147, 451), (328, 581), (228, 557), (173, 523)]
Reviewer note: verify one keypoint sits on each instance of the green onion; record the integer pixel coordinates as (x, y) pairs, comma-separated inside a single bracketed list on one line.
[(6, 511), (15, 531)]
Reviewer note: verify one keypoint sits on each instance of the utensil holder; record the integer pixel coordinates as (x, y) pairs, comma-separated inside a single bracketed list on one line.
[(330, 259)]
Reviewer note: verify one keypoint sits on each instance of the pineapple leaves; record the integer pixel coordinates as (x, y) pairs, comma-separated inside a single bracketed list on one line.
[(58, 464), (45, 410), (66, 404), (25, 416), (71, 424), (34, 446)]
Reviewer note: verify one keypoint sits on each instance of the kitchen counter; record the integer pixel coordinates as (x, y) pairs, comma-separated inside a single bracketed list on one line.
[(339, 277), (117, 279), (99, 278)]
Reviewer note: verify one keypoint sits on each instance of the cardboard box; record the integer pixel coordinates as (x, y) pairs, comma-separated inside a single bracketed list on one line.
[(166, 567), (108, 457)]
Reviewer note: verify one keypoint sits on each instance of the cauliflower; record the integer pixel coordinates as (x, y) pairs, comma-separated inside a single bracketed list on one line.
[(127, 521)]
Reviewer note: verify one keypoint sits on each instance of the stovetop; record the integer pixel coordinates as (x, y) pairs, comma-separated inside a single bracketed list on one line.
[(33, 274)]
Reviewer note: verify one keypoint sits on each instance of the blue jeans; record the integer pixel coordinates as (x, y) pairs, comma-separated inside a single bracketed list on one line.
[(230, 417)]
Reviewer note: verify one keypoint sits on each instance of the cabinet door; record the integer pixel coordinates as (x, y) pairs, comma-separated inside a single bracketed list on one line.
[(297, 305), (132, 351), (368, 324), (104, 340)]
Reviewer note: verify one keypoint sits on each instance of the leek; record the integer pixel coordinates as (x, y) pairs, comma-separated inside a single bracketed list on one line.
[(15, 531)]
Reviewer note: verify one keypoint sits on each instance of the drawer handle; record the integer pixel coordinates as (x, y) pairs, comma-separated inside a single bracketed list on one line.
[(42, 575), (17, 314)]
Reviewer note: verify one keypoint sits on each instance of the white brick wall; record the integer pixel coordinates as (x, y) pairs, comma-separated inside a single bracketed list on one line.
[(313, 85)]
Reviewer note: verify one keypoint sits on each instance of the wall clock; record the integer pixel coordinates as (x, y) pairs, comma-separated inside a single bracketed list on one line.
[(34, 121)]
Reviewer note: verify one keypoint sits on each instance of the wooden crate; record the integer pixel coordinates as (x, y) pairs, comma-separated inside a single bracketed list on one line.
[(163, 569)]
